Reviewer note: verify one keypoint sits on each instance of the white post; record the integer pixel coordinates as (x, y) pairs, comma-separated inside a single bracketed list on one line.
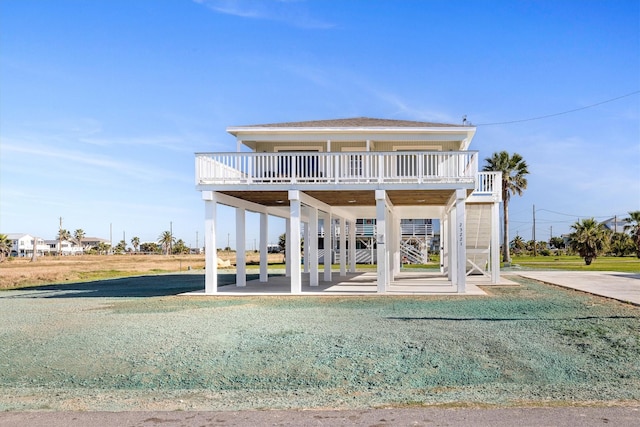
[(293, 241), (343, 247), (381, 240), (328, 245), (241, 259), (287, 252), (397, 236), (443, 234), (311, 241), (306, 246), (352, 246), (495, 243), (453, 252), (461, 239), (211, 253), (264, 254)]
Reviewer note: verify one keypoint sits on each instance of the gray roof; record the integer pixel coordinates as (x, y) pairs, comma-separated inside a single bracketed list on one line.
[(356, 122)]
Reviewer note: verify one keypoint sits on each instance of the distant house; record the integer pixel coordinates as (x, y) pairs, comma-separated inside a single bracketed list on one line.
[(68, 247), (22, 245), (89, 243), (616, 225), (341, 171)]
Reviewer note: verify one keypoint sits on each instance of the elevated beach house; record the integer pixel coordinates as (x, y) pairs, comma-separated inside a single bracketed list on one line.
[(337, 172)]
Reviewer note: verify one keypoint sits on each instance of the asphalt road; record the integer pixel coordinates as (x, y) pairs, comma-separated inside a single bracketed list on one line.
[(522, 417)]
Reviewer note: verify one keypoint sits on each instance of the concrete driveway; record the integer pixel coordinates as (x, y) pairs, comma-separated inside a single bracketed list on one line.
[(619, 286)]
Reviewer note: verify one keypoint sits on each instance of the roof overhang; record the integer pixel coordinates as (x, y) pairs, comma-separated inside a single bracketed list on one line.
[(249, 135)]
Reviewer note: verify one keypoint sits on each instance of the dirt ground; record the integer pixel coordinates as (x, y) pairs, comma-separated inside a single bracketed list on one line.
[(49, 269), (134, 344)]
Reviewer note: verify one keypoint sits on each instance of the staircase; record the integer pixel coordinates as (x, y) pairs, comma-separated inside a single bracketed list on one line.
[(413, 251), (478, 237)]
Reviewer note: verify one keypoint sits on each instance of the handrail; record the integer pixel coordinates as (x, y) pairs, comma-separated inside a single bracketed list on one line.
[(488, 183), (336, 168)]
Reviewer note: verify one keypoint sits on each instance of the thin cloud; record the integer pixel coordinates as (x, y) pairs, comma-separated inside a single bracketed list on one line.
[(288, 12), (136, 171)]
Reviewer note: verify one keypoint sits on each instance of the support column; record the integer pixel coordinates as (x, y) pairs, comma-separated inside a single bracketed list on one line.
[(311, 241), (210, 251), (287, 252), (241, 251), (352, 246), (461, 240), (495, 243), (293, 241), (397, 250), (452, 252), (443, 232), (343, 247), (264, 251), (328, 245), (381, 240), (306, 246)]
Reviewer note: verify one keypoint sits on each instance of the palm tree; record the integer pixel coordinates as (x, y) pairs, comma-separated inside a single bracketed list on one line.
[(5, 246), (166, 241), (514, 171), (78, 235), (135, 242), (621, 244), (634, 227), (62, 235), (518, 244), (589, 239)]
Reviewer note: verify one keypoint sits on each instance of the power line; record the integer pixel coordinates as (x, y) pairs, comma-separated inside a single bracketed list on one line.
[(561, 113)]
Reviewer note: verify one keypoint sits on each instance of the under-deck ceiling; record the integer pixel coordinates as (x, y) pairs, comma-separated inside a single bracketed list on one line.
[(349, 197)]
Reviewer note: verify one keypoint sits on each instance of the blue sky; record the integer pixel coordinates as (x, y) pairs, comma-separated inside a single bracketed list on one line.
[(103, 103)]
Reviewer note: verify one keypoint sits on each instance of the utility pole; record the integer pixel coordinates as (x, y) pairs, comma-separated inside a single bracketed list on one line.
[(197, 241), (615, 223), (171, 237), (535, 251)]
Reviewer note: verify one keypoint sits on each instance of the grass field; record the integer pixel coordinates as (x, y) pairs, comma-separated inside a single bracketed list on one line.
[(19, 272), (575, 263)]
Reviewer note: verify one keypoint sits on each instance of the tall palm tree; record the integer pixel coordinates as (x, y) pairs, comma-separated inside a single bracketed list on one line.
[(634, 227), (78, 235), (514, 171), (166, 241), (5, 246), (135, 242), (589, 239)]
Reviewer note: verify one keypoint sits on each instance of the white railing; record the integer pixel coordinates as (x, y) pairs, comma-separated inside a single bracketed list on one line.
[(336, 168), (411, 229), (488, 183)]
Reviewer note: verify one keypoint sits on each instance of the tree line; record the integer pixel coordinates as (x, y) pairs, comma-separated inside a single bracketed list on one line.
[(166, 244), (589, 238)]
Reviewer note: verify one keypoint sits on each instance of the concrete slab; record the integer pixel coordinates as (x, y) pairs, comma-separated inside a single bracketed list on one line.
[(619, 286), (360, 283)]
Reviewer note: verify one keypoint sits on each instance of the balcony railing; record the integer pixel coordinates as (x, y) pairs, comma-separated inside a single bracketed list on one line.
[(488, 183), (336, 168)]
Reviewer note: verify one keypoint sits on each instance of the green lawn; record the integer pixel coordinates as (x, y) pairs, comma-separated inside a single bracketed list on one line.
[(575, 263)]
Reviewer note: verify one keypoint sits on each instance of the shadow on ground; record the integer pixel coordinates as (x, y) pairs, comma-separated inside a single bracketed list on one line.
[(139, 286)]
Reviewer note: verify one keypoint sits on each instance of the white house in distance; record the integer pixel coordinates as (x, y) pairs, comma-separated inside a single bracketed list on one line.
[(344, 170), (22, 245)]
